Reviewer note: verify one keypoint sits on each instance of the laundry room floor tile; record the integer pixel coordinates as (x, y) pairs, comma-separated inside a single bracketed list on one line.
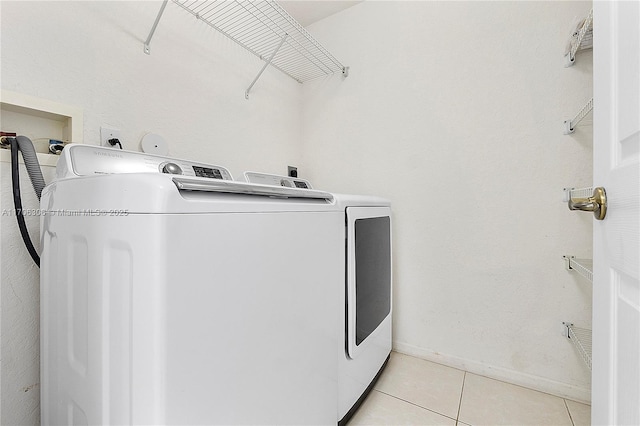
[(382, 409), (412, 391), (424, 383), (491, 402), (580, 413)]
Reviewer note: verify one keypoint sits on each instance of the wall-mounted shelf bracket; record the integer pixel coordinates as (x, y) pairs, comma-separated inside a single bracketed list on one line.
[(567, 262), (266, 64), (583, 267), (581, 339), (581, 39), (570, 125), (147, 43)]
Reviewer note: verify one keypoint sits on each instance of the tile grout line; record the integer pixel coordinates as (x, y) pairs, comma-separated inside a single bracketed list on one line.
[(493, 378), (525, 387), (414, 404), (568, 412), (460, 402)]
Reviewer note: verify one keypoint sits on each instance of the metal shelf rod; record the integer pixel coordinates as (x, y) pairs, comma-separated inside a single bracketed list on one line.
[(266, 64), (581, 339), (147, 43), (570, 125)]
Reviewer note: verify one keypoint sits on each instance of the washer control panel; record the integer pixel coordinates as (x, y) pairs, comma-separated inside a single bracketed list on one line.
[(86, 160), (213, 173), (276, 180)]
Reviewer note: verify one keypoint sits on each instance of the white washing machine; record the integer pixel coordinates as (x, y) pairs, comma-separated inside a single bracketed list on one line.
[(186, 299), (366, 296), (171, 294)]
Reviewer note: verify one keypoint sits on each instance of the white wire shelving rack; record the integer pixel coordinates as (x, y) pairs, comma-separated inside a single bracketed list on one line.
[(584, 267), (266, 30), (581, 339), (570, 125), (571, 192), (581, 39)]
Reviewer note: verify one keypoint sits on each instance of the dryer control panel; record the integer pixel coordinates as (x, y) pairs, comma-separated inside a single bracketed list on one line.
[(87, 160), (277, 180)]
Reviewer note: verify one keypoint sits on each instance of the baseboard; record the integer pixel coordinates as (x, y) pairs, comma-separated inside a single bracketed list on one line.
[(530, 381)]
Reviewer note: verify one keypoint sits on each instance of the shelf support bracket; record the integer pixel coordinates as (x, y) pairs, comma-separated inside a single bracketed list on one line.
[(570, 125), (567, 262), (266, 64), (577, 39), (147, 47)]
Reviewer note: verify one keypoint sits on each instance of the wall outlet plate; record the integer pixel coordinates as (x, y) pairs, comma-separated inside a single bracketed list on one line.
[(107, 133)]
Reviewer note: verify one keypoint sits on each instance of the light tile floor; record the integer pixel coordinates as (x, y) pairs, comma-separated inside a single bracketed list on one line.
[(413, 391)]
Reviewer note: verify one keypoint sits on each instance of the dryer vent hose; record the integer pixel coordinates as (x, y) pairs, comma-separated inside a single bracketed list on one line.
[(24, 145), (31, 163)]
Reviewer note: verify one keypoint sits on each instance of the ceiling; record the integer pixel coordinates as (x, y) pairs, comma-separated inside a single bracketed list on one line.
[(307, 12)]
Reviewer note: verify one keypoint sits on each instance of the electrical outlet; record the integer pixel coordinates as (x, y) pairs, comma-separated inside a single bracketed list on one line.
[(107, 133)]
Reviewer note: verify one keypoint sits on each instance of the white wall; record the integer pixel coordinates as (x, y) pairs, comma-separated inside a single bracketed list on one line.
[(190, 90), (454, 111), (19, 296)]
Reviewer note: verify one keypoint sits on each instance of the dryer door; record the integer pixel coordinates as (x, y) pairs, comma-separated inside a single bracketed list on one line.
[(368, 274)]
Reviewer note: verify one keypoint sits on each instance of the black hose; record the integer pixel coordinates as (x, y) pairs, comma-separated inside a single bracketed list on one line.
[(17, 200)]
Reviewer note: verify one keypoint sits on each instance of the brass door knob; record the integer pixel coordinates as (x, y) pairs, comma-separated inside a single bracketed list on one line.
[(597, 203)]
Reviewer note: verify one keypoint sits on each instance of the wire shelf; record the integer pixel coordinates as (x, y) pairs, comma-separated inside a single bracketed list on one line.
[(570, 193), (570, 125), (260, 27), (581, 39), (584, 267), (581, 339)]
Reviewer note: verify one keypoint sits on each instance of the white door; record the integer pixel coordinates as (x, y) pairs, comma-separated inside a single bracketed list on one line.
[(616, 280)]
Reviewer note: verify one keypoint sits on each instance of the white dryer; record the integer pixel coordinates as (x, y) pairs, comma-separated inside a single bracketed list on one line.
[(366, 295), (366, 343), (171, 294)]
